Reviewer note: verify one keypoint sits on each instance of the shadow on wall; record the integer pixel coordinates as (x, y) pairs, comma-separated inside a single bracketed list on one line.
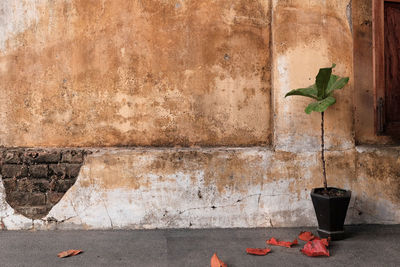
[(36, 179)]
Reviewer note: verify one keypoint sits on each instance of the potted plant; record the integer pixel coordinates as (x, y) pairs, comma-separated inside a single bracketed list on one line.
[(330, 203)]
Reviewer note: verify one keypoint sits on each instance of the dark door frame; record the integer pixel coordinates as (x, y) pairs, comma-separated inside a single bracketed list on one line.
[(378, 29)]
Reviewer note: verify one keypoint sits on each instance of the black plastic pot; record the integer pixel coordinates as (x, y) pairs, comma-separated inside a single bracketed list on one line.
[(331, 212)]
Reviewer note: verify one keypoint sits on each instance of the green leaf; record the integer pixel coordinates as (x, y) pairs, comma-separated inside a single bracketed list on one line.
[(335, 84), (322, 81), (310, 91), (332, 80), (321, 105)]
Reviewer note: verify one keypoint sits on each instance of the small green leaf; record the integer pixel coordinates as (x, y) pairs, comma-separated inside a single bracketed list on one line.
[(322, 81), (310, 91), (339, 83), (321, 105)]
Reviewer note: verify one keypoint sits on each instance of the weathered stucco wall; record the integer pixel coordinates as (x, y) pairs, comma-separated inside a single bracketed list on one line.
[(117, 73), (308, 35), (206, 75), (217, 187)]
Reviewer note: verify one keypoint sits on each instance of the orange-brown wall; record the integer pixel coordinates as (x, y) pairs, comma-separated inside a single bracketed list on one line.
[(190, 77), (135, 73)]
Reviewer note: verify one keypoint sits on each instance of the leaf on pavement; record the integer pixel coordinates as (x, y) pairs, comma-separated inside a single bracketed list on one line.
[(306, 236), (315, 248), (68, 253), (216, 262), (258, 251), (275, 242), (324, 241)]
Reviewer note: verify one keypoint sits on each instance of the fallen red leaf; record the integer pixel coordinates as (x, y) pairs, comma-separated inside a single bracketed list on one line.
[(315, 248), (68, 253), (258, 251), (325, 241), (275, 242), (306, 236), (216, 262)]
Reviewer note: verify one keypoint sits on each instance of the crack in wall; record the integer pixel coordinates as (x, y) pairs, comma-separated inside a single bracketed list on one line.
[(108, 214), (259, 195), (73, 207)]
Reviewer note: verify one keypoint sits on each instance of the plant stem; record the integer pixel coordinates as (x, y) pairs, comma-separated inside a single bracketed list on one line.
[(323, 151)]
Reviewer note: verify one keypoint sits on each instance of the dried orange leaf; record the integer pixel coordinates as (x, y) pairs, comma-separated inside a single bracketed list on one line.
[(216, 262), (306, 236), (68, 253), (275, 242), (315, 248), (258, 251)]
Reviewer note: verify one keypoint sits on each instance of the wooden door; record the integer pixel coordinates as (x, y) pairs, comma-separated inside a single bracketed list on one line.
[(392, 68)]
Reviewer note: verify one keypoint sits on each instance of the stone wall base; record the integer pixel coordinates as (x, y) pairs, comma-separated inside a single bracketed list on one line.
[(145, 188)]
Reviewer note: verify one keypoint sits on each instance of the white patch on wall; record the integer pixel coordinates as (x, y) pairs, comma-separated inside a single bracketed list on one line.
[(174, 204), (283, 78), (183, 199), (8, 218), (175, 200), (15, 17)]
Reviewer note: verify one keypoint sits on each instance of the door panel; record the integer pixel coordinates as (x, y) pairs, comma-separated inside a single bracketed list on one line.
[(392, 67)]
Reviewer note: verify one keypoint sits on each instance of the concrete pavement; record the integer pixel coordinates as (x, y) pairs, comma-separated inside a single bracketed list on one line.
[(370, 245)]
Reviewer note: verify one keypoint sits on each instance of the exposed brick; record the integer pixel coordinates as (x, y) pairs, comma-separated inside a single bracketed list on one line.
[(53, 184), (38, 171), (41, 156), (40, 211), (33, 212), (53, 179), (24, 185), (52, 156), (26, 199), (37, 199), (24, 210), (40, 185), (29, 156), (54, 197), (11, 171), (64, 170), (62, 186), (57, 169), (44, 175), (72, 170), (18, 198), (11, 157), (10, 185), (72, 156)]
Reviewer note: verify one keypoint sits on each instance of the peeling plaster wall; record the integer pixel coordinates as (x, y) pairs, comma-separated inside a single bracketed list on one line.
[(149, 73), (202, 85), (306, 36), (218, 187)]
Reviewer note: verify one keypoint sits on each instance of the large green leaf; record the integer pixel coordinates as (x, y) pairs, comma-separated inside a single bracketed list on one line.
[(321, 105), (322, 90), (336, 83), (310, 91), (332, 80), (322, 81)]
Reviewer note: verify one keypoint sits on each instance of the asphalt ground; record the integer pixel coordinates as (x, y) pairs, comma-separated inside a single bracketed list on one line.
[(366, 245)]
